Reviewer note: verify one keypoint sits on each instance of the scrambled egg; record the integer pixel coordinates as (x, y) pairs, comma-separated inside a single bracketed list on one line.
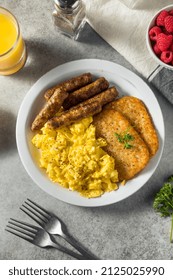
[(73, 157)]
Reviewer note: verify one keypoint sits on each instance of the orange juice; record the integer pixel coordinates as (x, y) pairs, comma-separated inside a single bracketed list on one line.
[(12, 46)]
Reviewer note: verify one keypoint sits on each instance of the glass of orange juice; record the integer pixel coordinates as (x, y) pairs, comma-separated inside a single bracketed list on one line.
[(12, 47)]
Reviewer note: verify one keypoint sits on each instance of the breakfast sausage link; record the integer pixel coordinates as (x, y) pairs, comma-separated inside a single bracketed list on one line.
[(103, 98), (50, 109), (88, 107), (75, 114), (71, 84), (85, 92)]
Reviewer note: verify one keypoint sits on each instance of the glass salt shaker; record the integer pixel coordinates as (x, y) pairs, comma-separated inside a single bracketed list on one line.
[(69, 17)]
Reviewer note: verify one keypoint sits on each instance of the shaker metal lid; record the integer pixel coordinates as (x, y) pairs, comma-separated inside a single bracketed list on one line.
[(65, 3)]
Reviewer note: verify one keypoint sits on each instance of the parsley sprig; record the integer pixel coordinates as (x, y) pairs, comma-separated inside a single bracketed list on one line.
[(125, 138), (163, 202)]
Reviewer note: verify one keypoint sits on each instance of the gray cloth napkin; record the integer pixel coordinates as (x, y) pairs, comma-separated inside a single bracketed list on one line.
[(123, 24), (163, 81)]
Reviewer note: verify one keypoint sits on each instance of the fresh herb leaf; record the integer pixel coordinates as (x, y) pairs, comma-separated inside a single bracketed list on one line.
[(170, 179), (128, 137), (127, 146), (125, 139), (119, 137), (163, 202)]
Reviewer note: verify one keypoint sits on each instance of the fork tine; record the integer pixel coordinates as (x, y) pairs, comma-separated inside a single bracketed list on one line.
[(44, 210), (19, 229), (19, 235), (38, 210), (31, 216), (23, 225), (34, 213)]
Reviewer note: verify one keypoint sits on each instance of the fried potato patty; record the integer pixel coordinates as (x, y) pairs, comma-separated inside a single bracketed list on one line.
[(128, 161), (136, 112)]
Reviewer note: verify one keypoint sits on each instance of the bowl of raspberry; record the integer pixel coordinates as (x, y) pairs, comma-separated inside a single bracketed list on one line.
[(160, 37)]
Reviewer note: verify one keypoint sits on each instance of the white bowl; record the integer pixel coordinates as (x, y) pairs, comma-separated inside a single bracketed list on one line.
[(127, 83), (148, 41)]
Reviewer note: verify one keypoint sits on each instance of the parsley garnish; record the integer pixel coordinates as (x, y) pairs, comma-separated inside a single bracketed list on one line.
[(163, 202), (125, 139)]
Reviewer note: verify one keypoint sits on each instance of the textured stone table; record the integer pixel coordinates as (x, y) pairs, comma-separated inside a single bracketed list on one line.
[(129, 229)]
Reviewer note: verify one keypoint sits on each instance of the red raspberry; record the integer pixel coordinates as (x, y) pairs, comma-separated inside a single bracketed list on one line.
[(164, 41), (154, 31), (166, 56), (165, 31), (171, 12), (171, 48), (169, 23), (161, 17), (156, 50)]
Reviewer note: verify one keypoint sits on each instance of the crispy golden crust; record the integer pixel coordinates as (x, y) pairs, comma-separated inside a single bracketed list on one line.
[(85, 92), (71, 84), (128, 162), (50, 109), (136, 112)]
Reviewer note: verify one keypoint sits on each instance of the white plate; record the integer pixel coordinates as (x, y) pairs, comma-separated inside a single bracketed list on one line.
[(127, 83)]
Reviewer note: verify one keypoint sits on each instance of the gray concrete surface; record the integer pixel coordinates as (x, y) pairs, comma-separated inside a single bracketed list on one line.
[(129, 229)]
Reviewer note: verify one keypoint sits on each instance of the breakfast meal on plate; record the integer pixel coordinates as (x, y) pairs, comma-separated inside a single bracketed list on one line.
[(89, 138)]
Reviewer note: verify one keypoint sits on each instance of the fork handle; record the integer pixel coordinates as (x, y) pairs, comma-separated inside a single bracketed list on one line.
[(67, 251), (73, 242)]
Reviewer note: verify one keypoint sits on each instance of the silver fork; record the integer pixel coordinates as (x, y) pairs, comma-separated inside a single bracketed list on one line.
[(38, 237), (53, 225)]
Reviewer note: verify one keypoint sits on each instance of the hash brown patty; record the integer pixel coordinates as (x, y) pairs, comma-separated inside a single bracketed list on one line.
[(136, 112), (128, 162)]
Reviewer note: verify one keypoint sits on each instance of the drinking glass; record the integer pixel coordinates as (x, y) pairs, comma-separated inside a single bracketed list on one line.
[(12, 47)]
